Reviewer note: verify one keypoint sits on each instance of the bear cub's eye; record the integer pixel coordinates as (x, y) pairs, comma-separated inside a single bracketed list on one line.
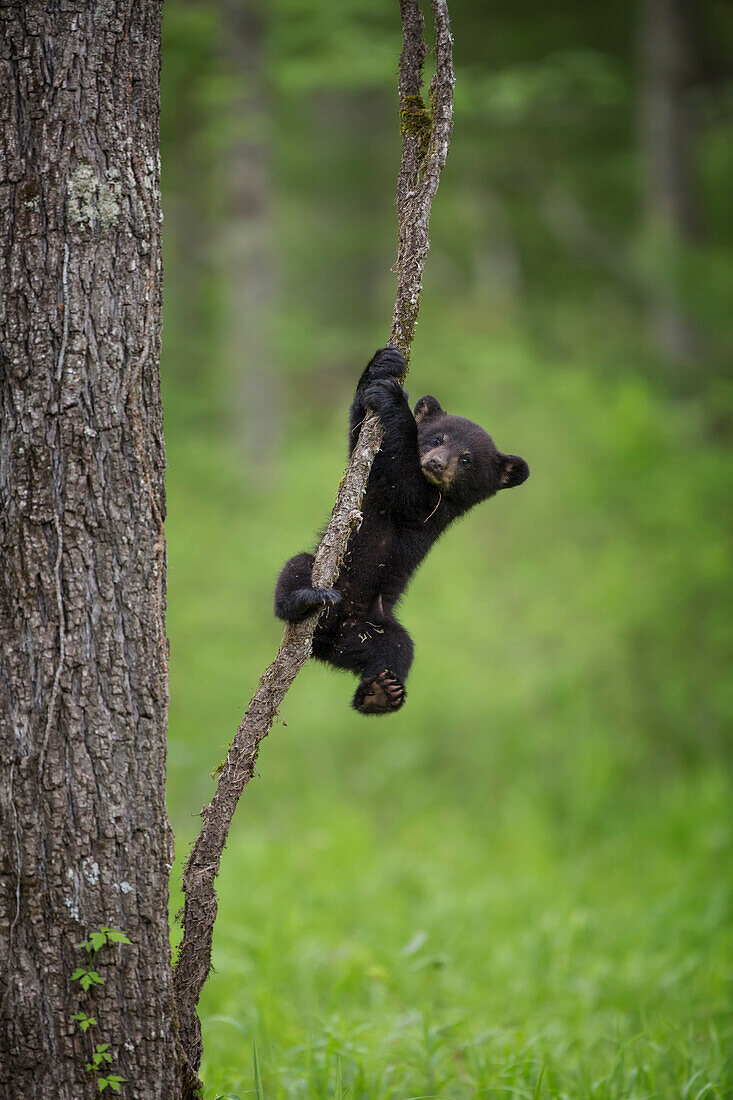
[(438, 440), (466, 460)]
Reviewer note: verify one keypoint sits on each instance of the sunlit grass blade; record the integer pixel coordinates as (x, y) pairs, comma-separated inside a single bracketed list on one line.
[(259, 1091)]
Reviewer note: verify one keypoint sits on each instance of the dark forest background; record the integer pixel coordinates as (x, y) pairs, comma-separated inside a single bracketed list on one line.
[(529, 866)]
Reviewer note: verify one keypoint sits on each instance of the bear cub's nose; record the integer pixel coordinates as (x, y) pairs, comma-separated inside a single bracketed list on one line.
[(435, 465)]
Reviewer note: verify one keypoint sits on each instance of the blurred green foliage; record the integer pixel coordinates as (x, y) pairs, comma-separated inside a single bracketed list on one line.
[(520, 885)]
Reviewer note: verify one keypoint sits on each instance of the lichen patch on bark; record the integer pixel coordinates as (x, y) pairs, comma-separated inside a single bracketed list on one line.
[(93, 200)]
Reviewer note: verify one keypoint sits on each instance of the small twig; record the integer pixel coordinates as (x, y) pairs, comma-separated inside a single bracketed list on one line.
[(131, 397), (59, 535), (62, 645), (65, 307), (435, 509), (426, 136)]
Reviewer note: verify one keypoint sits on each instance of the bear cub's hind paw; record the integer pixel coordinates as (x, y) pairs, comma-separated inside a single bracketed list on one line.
[(304, 601), (380, 694)]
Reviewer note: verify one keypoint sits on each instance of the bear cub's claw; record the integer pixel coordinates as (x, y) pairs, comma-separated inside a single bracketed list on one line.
[(324, 597), (380, 694)]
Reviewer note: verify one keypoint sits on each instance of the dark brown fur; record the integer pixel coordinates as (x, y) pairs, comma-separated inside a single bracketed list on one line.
[(431, 469)]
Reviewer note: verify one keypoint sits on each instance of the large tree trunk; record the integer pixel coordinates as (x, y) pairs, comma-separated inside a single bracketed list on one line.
[(85, 840)]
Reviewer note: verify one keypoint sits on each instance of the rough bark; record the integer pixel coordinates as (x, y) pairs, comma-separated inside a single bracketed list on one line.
[(83, 655), (426, 136), (667, 63)]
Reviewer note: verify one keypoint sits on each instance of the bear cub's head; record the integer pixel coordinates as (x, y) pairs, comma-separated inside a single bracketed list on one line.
[(460, 458)]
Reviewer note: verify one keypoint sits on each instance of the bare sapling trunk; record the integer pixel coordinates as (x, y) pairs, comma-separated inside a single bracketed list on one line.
[(85, 841), (426, 132)]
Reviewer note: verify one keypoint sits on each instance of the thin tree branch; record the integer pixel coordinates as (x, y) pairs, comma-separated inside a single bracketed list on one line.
[(426, 135)]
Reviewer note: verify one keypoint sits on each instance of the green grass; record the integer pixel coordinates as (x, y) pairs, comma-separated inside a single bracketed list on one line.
[(520, 885), (453, 956)]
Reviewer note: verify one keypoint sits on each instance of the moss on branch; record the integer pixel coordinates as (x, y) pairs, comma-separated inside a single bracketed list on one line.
[(415, 120)]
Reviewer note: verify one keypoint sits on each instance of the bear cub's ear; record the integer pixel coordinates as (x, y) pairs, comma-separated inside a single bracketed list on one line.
[(513, 470), (426, 408)]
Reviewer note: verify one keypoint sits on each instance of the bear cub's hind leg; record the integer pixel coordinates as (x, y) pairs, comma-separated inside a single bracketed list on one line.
[(386, 656), (295, 598)]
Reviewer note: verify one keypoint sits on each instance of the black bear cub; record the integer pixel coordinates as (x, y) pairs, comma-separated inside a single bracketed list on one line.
[(430, 469)]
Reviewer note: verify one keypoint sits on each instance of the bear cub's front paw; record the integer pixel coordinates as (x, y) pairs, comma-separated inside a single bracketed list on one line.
[(384, 394), (387, 363)]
